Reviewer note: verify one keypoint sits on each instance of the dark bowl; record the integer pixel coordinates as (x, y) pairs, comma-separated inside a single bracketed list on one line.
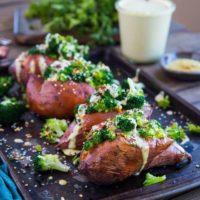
[(185, 76), (5, 64)]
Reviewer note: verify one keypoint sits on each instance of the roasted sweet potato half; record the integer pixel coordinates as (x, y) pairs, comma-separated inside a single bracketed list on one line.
[(114, 161), (72, 140), (54, 98), (25, 65)]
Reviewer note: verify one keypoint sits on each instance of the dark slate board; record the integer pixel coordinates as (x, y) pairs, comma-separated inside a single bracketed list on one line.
[(42, 187)]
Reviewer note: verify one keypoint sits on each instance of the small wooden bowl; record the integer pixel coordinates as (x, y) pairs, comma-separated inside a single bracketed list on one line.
[(180, 75)]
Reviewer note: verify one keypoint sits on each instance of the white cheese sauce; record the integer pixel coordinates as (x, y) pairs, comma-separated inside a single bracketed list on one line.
[(73, 136)]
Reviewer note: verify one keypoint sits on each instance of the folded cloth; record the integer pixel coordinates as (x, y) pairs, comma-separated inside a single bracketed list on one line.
[(8, 189)]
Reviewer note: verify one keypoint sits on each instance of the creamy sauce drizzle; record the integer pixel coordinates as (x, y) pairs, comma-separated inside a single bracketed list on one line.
[(42, 64), (72, 137), (144, 147), (32, 66), (18, 64)]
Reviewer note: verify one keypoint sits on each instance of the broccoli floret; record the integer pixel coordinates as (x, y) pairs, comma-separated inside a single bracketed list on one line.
[(152, 129), (98, 137), (134, 95), (50, 71), (34, 50), (175, 132), (53, 129), (101, 77), (106, 103), (125, 122), (151, 179), (136, 101), (193, 128), (163, 100), (11, 110), (49, 162), (5, 84)]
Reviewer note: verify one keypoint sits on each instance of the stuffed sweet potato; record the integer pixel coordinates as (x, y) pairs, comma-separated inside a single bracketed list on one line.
[(37, 59), (54, 98), (125, 146)]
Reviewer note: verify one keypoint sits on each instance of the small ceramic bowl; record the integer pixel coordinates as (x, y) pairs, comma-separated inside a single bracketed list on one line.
[(180, 75)]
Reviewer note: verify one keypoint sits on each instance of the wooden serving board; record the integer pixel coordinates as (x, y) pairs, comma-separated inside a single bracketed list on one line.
[(46, 186)]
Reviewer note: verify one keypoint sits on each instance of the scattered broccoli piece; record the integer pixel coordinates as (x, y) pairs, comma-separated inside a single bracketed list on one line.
[(152, 129), (5, 84), (151, 179), (11, 110), (175, 132), (53, 129), (99, 137), (38, 148), (125, 122), (49, 162), (162, 100), (193, 128)]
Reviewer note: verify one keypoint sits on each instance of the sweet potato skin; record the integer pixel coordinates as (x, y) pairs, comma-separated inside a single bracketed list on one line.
[(111, 161), (56, 99), (114, 161), (31, 64)]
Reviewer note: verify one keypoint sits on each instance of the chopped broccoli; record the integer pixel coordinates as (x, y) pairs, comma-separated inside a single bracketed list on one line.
[(50, 71), (175, 132), (101, 76), (162, 100), (193, 128), (152, 129), (80, 70), (5, 84), (49, 162), (11, 109), (134, 95), (105, 104), (98, 137), (125, 122), (53, 129), (134, 102), (151, 179), (57, 46)]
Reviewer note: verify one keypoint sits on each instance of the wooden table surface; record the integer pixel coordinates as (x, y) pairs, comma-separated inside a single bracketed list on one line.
[(180, 40)]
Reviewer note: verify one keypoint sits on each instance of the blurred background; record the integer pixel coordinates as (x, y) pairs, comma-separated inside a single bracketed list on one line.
[(187, 12)]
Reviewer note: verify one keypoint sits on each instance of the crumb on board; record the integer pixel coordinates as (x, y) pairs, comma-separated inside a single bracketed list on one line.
[(62, 182), (18, 140)]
